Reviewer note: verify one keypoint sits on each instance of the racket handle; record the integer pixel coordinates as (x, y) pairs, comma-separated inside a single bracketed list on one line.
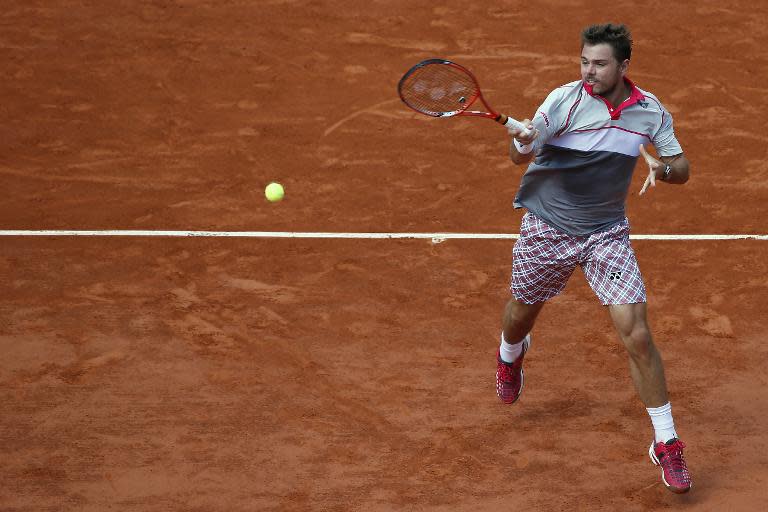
[(511, 123)]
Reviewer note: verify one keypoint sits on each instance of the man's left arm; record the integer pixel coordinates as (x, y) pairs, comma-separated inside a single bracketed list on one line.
[(669, 169), (678, 172)]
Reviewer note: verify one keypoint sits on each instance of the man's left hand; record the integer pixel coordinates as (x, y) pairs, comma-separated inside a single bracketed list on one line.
[(654, 166)]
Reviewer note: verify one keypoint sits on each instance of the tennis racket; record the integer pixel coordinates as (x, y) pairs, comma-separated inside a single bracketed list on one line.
[(441, 88)]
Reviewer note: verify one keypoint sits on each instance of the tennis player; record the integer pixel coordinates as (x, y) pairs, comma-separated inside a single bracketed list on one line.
[(582, 148)]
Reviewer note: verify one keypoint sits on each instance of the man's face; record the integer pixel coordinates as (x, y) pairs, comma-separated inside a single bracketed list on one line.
[(600, 68)]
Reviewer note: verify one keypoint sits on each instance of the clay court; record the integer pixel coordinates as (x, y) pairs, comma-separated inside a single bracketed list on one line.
[(149, 373)]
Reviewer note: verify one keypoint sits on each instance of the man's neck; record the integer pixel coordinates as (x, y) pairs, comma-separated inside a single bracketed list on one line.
[(618, 94)]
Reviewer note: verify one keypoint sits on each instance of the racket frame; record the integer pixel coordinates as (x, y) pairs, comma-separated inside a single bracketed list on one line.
[(490, 113)]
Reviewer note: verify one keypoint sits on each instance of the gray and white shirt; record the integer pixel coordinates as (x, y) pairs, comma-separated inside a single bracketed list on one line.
[(586, 154)]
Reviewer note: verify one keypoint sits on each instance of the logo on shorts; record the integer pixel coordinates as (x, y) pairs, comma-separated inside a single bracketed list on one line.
[(615, 276)]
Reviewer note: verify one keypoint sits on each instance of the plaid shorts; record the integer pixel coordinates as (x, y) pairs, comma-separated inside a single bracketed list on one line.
[(544, 259)]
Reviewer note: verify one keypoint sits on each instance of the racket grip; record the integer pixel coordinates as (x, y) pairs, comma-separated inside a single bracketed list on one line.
[(513, 124)]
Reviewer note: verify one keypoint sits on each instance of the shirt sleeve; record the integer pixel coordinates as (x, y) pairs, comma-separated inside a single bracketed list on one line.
[(664, 140), (551, 116)]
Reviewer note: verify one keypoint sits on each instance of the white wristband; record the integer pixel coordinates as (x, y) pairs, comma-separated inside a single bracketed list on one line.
[(523, 149)]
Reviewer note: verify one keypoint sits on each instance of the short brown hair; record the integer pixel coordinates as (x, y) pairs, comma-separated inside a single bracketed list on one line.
[(617, 36)]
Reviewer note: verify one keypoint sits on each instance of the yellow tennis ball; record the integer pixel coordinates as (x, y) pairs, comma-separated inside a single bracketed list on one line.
[(274, 192)]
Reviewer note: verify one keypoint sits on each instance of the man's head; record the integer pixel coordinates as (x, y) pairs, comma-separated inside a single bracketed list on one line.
[(605, 53)]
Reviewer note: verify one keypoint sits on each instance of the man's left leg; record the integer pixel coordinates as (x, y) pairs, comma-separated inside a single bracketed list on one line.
[(645, 363), (647, 371), (611, 268)]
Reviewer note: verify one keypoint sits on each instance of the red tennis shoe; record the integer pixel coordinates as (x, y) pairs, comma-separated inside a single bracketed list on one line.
[(509, 376), (674, 470)]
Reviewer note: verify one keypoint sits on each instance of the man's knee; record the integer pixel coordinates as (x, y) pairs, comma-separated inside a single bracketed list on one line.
[(519, 319), (638, 341), (632, 327)]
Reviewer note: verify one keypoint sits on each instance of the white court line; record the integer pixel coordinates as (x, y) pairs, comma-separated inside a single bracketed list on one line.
[(299, 234)]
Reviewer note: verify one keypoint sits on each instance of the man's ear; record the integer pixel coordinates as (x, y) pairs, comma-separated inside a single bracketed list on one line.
[(624, 66)]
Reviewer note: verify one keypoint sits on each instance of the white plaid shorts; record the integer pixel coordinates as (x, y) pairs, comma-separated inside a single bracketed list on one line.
[(544, 259)]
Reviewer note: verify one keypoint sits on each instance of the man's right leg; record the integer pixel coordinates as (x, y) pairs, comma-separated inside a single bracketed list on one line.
[(518, 319), (517, 323), (542, 261)]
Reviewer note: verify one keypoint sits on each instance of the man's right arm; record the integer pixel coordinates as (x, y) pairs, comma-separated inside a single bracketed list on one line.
[(549, 120), (522, 148)]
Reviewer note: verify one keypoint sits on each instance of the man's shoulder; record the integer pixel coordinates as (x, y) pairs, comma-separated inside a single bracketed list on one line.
[(650, 99), (575, 84), (571, 89)]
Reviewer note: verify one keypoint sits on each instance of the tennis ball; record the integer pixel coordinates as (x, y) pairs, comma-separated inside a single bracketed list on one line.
[(274, 192)]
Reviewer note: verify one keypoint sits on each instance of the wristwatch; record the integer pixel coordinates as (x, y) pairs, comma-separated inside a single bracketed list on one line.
[(667, 172)]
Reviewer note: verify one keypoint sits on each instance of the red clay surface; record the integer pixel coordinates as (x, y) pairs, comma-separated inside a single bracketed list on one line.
[(248, 374)]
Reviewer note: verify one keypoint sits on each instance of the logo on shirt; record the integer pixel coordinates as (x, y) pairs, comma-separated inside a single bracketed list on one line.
[(546, 119), (643, 104), (615, 276)]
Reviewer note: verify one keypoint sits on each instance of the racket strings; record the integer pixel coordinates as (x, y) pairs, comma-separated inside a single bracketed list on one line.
[(438, 90)]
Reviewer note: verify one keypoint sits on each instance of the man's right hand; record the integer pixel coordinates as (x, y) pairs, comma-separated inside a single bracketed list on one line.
[(524, 139)]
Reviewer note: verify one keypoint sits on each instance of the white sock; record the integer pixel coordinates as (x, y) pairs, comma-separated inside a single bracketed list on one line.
[(663, 425), (510, 352)]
